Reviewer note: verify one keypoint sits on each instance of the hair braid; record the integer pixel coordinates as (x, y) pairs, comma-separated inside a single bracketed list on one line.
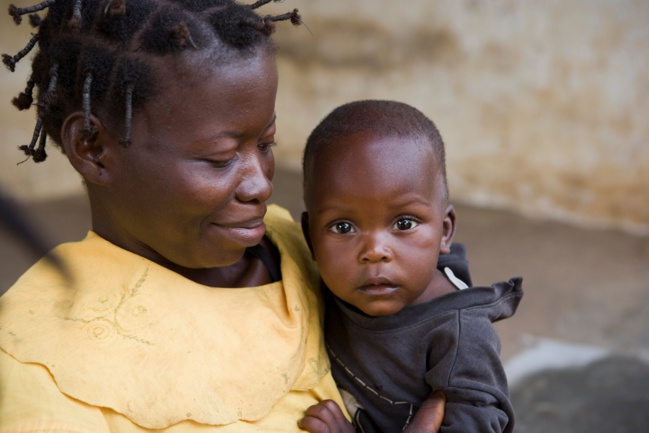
[(96, 56), (25, 99), (86, 104), (34, 20), (29, 149), (115, 8), (75, 21), (128, 116), (17, 13), (261, 3), (10, 61), (293, 16), (47, 99)]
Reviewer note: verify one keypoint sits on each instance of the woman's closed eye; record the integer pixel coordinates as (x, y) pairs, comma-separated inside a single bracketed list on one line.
[(224, 163), (266, 147)]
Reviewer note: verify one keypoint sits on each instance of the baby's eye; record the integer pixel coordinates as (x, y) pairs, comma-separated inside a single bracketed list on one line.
[(405, 224), (342, 228)]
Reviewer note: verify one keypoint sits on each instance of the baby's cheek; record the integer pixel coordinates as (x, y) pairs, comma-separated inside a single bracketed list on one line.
[(336, 272)]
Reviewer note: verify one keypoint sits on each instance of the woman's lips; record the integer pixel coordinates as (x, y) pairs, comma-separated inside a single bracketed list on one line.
[(247, 233)]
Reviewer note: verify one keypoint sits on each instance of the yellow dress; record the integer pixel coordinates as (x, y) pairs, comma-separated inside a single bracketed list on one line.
[(130, 346)]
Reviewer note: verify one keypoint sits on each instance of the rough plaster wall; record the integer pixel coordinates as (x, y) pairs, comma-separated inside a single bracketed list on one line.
[(544, 106)]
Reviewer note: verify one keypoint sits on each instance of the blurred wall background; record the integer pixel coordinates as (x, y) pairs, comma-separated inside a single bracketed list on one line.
[(544, 106)]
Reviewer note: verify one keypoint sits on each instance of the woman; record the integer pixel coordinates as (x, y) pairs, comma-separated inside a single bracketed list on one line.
[(192, 305)]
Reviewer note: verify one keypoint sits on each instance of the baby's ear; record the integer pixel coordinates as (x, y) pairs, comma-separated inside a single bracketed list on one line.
[(85, 146), (305, 231), (448, 230)]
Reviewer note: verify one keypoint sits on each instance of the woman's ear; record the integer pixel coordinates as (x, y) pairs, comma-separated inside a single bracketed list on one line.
[(448, 230), (86, 147)]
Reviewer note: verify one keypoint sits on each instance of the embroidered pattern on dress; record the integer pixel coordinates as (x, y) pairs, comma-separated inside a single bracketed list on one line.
[(104, 321)]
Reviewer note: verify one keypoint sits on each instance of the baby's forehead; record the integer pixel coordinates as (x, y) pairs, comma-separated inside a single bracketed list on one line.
[(359, 157), (353, 176), (377, 148)]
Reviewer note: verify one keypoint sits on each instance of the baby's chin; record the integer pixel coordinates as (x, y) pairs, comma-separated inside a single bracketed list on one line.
[(379, 307)]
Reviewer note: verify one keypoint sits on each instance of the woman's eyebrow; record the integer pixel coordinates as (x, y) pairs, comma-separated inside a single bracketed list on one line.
[(235, 134)]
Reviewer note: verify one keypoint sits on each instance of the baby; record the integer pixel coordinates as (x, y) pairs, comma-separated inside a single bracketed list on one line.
[(397, 328)]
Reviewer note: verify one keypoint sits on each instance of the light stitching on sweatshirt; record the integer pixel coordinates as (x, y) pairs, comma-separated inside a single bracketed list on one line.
[(340, 362)]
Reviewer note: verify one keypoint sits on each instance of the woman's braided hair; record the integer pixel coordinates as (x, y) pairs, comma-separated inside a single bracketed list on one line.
[(95, 55)]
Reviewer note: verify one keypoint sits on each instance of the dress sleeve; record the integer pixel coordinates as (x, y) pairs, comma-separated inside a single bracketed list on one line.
[(474, 381)]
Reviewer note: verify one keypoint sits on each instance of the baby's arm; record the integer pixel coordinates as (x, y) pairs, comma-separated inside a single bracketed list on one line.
[(476, 392), (325, 417)]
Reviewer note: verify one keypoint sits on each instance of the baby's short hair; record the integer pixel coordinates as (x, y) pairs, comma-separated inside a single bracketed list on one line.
[(381, 118)]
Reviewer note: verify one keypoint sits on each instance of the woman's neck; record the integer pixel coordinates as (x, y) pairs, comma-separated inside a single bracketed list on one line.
[(247, 272)]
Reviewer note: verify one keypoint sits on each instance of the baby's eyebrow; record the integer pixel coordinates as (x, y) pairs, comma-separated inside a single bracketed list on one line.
[(408, 201)]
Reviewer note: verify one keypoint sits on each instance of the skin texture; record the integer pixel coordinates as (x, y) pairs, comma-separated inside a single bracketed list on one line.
[(190, 192), (377, 219)]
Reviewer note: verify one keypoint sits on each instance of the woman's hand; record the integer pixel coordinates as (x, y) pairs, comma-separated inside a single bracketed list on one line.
[(325, 417), (429, 417)]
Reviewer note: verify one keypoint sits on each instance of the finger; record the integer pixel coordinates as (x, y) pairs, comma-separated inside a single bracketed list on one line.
[(430, 414), (313, 425), (325, 417), (433, 407), (333, 411)]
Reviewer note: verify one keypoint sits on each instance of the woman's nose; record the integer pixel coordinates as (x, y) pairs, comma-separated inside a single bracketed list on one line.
[(256, 177), (374, 249)]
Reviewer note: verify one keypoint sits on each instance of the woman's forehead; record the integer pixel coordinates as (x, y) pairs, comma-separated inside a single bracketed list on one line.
[(196, 68), (226, 101)]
